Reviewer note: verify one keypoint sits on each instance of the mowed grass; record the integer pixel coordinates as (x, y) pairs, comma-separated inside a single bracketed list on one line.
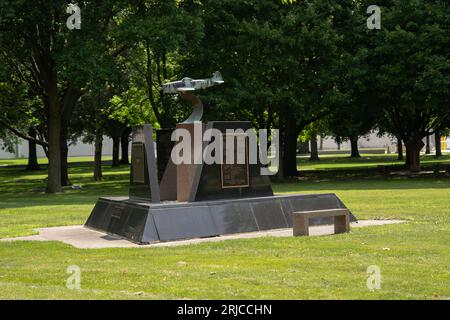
[(367, 161), (44, 161), (414, 257)]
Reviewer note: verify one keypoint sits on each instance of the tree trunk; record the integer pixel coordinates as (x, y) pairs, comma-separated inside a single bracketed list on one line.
[(64, 158), (408, 157), (437, 139), (354, 147), (288, 145), (280, 173), (428, 146), (33, 164), (400, 149), (413, 147), (64, 164), (98, 173), (339, 146), (290, 148), (290, 157), (321, 143), (116, 151), (54, 146), (303, 147), (314, 149), (124, 144), (69, 101)]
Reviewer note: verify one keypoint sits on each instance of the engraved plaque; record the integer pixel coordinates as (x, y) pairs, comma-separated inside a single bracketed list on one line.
[(236, 174), (138, 163)]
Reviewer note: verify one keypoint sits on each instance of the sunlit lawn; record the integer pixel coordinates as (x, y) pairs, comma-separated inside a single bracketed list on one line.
[(44, 161), (414, 257), (367, 160)]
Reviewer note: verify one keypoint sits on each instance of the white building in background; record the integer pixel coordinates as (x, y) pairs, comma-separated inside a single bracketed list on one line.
[(373, 141), (78, 150)]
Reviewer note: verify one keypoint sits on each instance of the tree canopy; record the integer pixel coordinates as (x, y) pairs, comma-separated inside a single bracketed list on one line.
[(287, 65)]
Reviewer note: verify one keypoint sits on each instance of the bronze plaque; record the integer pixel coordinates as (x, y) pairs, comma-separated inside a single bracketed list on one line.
[(138, 163), (235, 175)]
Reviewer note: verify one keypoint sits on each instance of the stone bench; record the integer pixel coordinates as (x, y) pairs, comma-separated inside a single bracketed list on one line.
[(301, 220)]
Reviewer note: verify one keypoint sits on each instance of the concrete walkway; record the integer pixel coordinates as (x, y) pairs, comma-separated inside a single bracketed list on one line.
[(84, 238)]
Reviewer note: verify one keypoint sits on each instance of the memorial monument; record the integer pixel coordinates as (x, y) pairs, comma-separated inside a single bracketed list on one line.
[(171, 201)]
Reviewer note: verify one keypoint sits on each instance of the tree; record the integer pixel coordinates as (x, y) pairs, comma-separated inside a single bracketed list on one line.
[(437, 142), (89, 122), (400, 149), (428, 145), (355, 115), (310, 134), (8, 141), (278, 61), (161, 31), (19, 113), (57, 63), (411, 67), (124, 146), (114, 129)]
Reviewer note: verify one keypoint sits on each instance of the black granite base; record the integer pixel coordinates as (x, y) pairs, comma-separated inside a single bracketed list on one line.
[(145, 222)]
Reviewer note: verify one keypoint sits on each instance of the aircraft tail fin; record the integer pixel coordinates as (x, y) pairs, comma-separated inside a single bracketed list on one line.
[(217, 78)]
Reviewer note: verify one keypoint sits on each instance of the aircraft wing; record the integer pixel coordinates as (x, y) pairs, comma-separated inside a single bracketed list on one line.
[(173, 87)]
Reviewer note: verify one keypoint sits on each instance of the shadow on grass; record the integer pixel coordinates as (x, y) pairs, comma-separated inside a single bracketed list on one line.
[(397, 183), (20, 188)]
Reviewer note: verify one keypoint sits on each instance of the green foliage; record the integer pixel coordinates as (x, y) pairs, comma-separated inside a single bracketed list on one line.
[(413, 67), (286, 64), (55, 65), (274, 59), (161, 31), (8, 141), (19, 108), (79, 56), (354, 115)]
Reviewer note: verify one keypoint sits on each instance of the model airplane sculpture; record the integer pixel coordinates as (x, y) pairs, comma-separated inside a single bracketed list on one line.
[(186, 85)]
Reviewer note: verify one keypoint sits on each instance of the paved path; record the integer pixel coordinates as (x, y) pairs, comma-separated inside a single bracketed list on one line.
[(84, 238)]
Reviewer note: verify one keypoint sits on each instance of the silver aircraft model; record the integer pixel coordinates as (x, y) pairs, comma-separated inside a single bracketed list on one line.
[(188, 84), (185, 86)]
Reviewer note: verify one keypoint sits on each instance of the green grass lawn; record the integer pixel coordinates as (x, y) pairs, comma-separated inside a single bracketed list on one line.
[(368, 160), (414, 257), (327, 161), (43, 161)]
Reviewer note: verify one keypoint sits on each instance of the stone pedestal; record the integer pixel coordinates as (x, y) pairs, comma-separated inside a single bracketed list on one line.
[(146, 222), (199, 200)]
